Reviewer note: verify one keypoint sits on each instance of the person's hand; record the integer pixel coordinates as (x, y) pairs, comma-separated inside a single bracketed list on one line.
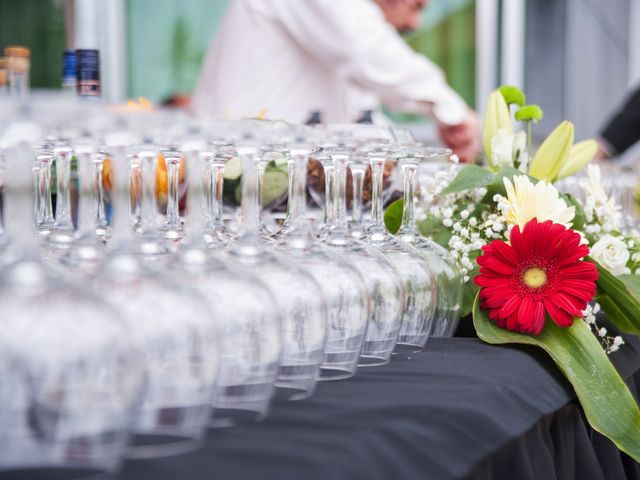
[(603, 151), (463, 138)]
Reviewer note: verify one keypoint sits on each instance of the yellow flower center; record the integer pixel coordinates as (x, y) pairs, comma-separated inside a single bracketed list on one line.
[(534, 277)]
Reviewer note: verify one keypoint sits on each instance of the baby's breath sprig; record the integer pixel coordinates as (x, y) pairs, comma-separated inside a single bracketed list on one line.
[(609, 343)]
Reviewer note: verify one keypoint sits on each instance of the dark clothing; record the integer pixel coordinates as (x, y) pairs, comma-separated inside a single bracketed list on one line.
[(623, 130)]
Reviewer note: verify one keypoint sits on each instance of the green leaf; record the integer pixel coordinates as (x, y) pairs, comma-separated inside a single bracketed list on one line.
[(497, 185), (579, 219), (432, 227), (632, 282), (393, 216), (615, 296), (471, 176), (609, 406)]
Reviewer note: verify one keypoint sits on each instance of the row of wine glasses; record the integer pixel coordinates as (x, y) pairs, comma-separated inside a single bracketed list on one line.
[(135, 327)]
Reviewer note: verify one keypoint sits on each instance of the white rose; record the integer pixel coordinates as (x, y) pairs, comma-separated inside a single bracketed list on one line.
[(611, 253)]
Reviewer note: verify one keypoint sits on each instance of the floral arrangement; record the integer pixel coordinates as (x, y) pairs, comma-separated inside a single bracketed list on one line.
[(539, 265)]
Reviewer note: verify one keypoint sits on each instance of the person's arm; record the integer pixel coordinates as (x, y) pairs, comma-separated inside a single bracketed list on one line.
[(353, 38), (623, 129)]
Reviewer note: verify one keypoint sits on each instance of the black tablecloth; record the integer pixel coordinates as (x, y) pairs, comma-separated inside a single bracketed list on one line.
[(461, 409)]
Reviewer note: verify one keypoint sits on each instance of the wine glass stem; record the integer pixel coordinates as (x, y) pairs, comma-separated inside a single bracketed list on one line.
[(329, 186), (249, 198), (377, 207), (298, 197), (217, 183), (121, 224), (259, 192), (173, 217), (37, 200), (409, 171), (86, 205), (148, 165), (98, 168), (195, 198), (63, 173), (357, 174), (48, 200)]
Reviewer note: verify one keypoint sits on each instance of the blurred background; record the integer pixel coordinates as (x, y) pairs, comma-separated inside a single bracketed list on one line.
[(576, 58)]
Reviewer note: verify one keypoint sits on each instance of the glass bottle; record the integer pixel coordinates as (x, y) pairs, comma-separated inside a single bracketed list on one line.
[(88, 73), (3, 78), (18, 65)]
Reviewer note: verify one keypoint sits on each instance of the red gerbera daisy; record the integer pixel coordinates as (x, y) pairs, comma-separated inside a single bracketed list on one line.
[(540, 272)]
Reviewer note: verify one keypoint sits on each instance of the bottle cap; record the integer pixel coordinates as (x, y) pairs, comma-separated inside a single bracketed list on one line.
[(17, 51)]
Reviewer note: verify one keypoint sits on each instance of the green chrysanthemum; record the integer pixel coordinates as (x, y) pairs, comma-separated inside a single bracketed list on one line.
[(528, 113), (512, 95)]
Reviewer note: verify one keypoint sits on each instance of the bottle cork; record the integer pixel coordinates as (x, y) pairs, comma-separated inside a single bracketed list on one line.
[(17, 59)]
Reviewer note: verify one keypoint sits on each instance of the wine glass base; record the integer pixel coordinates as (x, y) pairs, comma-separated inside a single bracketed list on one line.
[(54, 473), (373, 360), (334, 373), (152, 445), (286, 394), (407, 348), (229, 417)]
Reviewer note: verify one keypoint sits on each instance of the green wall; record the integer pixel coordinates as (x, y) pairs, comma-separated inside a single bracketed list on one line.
[(39, 25), (166, 42)]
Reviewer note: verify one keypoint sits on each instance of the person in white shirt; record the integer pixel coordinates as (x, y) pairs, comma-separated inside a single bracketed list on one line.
[(288, 58)]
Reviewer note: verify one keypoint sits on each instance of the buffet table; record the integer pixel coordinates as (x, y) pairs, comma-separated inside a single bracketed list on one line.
[(461, 409)]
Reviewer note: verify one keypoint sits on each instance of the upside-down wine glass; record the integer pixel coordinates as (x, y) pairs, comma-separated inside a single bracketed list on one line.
[(342, 284), (419, 280), (450, 284), (251, 343), (298, 295), (383, 281), (174, 328), (74, 376)]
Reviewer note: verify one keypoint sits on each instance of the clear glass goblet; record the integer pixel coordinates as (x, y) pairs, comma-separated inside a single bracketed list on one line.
[(448, 276), (251, 335), (174, 327), (298, 295), (341, 282), (419, 280), (73, 375)]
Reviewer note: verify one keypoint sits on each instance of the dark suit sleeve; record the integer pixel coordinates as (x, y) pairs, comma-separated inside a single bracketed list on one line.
[(623, 130)]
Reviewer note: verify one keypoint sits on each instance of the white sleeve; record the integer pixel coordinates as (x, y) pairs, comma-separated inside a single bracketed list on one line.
[(353, 37)]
